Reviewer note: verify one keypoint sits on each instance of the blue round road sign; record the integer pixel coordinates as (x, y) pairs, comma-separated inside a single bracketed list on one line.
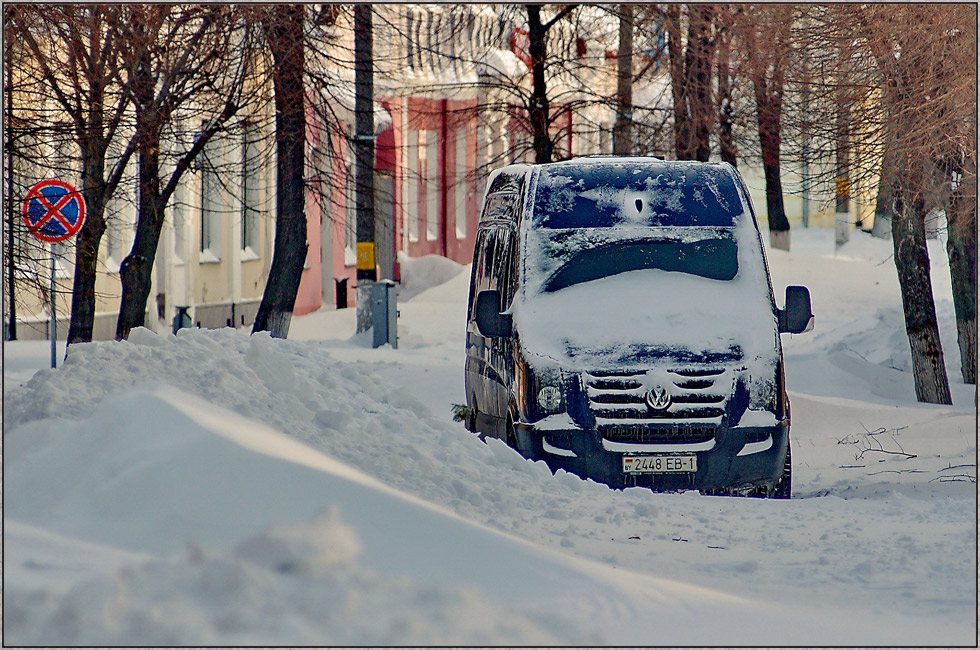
[(54, 211)]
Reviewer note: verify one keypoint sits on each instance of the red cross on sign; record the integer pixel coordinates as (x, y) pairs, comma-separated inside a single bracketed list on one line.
[(54, 211)]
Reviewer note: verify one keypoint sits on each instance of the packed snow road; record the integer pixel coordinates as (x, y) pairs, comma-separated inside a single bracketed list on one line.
[(216, 488)]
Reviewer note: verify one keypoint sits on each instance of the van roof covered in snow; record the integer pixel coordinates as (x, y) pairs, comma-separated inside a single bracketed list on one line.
[(608, 192)]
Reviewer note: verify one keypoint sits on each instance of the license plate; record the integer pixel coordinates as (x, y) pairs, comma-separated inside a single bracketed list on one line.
[(644, 464)]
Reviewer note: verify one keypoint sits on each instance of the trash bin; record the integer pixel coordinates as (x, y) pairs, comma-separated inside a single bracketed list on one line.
[(341, 292), (385, 313)]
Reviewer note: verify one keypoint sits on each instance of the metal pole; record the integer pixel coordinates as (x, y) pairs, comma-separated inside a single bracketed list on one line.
[(364, 174), (11, 333), (806, 146), (806, 183), (53, 316)]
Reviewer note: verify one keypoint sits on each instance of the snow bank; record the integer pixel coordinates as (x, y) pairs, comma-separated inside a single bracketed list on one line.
[(251, 528), (261, 540), (221, 489), (421, 273)]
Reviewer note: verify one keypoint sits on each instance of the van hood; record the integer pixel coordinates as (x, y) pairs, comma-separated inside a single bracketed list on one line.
[(649, 317)]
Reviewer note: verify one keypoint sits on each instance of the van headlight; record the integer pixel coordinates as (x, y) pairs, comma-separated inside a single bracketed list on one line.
[(762, 395), (549, 399)]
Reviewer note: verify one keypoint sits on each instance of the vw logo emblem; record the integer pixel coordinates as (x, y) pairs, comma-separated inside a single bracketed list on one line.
[(658, 399)]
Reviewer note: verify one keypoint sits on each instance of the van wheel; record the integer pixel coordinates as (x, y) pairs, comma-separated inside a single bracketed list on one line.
[(784, 486)]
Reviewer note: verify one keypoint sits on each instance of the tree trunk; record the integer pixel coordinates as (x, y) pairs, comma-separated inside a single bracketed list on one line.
[(285, 32), (136, 271), (912, 263), (678, 84), (700, 46), (842, 181), (82, 321), (885, 201), (539, 109), (622, 140), (768, 110), (690, 81), (96, 190), (962, 250), (726, 142)]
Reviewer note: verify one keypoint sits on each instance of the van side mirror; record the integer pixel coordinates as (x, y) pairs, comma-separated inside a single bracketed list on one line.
[(489, 320), (796, 317)]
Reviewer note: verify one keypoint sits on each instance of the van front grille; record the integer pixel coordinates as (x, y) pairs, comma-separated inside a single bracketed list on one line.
[(698, 395), (659, 435)]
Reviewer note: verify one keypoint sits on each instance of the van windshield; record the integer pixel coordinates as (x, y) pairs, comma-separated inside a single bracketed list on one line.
[(673, 271), (714, 257), (603, 195)]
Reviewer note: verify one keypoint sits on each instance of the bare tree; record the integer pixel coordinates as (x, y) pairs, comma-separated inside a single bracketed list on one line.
[(962, 250), (691, 52), (908, 61), (622, 140), (764, 35), (284, 27), (173, 56), (727, 147), (75, 52), (958, 91), (540, 104)]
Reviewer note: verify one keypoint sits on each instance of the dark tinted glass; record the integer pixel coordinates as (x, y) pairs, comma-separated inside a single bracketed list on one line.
[(714, 258), (501, 206)]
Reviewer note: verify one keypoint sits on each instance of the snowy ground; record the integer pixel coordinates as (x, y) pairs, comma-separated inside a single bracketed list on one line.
[(220, 489)]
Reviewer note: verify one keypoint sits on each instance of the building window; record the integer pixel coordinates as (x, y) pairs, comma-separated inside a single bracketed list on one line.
[(210, 204), (251, 190), (431, 186), (521, 146), (417, 43), (321, 166), (605, 139), (114, 236), (414, 154), (180, 225), (120, 211), (461, 184), (350, 217), (409, 39), (64, 266), (430, 46)]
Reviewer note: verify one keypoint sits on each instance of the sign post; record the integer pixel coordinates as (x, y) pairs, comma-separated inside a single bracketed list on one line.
[(54, 315), (53, 211)]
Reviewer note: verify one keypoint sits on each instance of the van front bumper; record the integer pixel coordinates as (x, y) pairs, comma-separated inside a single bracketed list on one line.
[(737, 458)]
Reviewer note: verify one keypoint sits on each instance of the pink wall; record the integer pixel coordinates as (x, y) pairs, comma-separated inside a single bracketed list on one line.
[(443, 116), (309, 295), (338, 217)]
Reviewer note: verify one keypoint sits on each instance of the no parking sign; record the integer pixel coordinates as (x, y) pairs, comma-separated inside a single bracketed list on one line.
[(54, 211)]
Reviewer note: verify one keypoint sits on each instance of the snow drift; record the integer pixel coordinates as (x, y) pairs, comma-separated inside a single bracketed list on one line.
[(216, 488)]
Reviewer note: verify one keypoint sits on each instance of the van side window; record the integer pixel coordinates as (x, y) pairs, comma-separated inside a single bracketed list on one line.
[(493, 264), (504, 266), (500, 205), (481, 267)]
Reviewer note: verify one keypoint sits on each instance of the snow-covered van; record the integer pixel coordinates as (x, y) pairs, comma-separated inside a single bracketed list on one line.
[(622, 326)]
